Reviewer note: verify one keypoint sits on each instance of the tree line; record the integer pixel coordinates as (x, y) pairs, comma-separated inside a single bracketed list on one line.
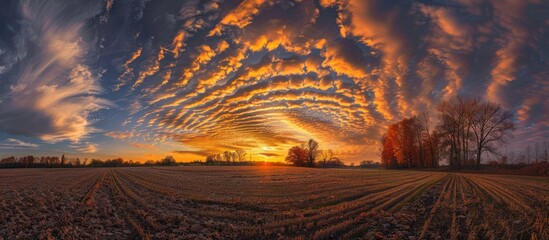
[(466, 129), (309, 155), (44, 162), (236, 157), (534, 153), (64, 162)]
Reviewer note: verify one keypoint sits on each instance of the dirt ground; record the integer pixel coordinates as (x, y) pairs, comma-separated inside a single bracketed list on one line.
[(266, 202)]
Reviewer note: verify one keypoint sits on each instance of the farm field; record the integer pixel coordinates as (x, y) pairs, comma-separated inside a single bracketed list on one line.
[(269, 203)]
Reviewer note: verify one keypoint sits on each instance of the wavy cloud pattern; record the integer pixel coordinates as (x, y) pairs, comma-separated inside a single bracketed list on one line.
[(194, 78)]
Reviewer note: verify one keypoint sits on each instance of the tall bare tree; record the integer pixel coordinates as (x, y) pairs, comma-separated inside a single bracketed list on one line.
[(327, 155), (465, 122), (450, 130), (240, 155), (227, 156), (528, 154), (492, 126), (429, 142), (419, 126), (312, 148)]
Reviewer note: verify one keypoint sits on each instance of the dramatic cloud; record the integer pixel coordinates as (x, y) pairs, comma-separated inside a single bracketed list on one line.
[(52, 92), (193, 78)]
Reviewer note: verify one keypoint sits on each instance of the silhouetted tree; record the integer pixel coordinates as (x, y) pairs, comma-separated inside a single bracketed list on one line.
[(326, 155), (312, 152), (240, 155), (331, 163), (210, 159), (227, 156), (77, 162), (168, 161), (454, 129), (369, 164), (431, 143), (298, 156), (492, 126)]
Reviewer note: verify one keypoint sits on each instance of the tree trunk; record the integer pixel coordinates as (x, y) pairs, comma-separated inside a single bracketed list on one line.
[(479, 151)]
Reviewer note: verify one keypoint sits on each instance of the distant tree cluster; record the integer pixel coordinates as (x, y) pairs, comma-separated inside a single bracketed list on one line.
[(237, 157), (44, 162), (119, 162), (167, 161), (369, 164), (534, 153), (467, 128), (307, 155)]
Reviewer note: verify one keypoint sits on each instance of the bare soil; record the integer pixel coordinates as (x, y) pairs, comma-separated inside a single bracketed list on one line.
[(269, 203)]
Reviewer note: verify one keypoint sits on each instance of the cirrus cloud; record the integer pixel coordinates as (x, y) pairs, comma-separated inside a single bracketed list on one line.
[(203, 77), (53, 91)]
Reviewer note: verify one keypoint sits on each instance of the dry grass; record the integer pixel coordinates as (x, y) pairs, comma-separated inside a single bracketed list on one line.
[(269, 202)]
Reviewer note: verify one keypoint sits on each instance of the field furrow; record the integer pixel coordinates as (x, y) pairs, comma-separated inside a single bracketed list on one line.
[(269, 203)]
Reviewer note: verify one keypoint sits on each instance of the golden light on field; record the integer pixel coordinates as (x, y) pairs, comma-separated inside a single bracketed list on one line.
[(269, 202)]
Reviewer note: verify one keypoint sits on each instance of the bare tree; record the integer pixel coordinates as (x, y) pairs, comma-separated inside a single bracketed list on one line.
[(528, 154), (492, 126), (312, 148), (419, 129), (464, 122), (432, 140), (538, 152), (327, 155), (210, 159), (227, 156), (240, 155), (451, 129)]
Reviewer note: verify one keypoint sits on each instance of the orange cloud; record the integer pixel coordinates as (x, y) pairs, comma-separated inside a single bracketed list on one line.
[(150, 70), (241, 16), (270, 69), (178, 43), (128, 72)]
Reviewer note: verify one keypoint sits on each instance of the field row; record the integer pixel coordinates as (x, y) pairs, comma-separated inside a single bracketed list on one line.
[(269, 202)]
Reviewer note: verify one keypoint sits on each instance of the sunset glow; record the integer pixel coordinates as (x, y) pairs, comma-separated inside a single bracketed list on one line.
[(145, 79)]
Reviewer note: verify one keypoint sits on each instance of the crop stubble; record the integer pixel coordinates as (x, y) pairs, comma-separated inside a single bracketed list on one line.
[(269, 202)]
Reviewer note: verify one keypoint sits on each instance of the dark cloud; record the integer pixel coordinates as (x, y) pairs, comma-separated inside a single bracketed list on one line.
[(207, 76)]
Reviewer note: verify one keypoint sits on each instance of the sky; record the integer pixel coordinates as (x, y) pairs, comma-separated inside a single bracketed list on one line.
[(144, 79)]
